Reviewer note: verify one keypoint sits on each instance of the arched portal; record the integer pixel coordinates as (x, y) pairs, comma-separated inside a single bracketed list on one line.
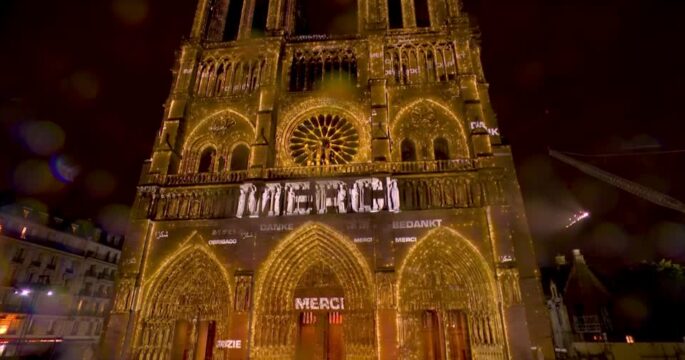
[(185, 308), (421, 121), (286, 286), (448, 301)]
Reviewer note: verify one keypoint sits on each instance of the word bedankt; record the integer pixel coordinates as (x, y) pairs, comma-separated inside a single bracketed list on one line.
[(369, 195)]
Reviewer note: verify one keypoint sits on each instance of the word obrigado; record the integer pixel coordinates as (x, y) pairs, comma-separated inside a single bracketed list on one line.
[(369, 195)]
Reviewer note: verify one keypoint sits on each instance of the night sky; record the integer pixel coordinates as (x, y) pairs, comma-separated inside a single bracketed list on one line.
[(83, 85)]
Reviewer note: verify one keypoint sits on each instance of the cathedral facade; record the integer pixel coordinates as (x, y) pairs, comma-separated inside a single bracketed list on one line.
[(328, 182)]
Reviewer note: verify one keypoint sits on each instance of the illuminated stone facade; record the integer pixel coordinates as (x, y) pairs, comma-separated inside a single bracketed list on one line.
[(328, 193)]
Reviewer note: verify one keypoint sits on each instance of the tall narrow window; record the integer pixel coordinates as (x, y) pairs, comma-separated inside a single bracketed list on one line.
[(408, 150), (235, 11), (240, 157), (395, 14), (422, 13), (261, 10), (206, 160), (441, 149)]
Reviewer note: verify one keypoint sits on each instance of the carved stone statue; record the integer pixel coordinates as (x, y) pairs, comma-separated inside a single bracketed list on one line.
[(277, 201), (320, 199), (354, 197), (290, 205), (241, 204), (342, 196), (393, 195), (252, 200), (266, 200)]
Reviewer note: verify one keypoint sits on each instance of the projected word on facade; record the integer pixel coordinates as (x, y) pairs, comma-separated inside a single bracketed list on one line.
[(417, 224), (481, 125), (369, 195), (229, 344), (222, 242), (320, 303), (276, 227)]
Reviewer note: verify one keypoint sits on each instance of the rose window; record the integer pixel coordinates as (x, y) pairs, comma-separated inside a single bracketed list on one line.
[(324, 140)]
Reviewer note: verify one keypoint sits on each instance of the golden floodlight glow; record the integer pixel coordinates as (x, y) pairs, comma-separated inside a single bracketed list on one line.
[(314, 196)]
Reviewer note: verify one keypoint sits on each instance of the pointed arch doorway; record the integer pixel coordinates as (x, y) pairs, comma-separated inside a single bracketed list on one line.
[(320, 302), (448, 301), (314, 299), (185, 309)]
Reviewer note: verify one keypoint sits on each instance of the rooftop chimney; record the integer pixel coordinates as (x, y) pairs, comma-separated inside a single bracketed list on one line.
[(560, 260), (578, 257)]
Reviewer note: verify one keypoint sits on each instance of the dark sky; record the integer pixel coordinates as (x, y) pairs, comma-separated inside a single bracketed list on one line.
[(84, 82)]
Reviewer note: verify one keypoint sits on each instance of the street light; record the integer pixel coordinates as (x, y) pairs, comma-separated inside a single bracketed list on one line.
[(33, 295)]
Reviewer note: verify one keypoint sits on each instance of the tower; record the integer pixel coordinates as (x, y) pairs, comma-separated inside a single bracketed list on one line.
[(328, 182)]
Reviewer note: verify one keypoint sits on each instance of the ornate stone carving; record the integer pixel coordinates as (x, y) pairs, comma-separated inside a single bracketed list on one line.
[(243, 293), (509, 286), (324, 140), (386, 289)]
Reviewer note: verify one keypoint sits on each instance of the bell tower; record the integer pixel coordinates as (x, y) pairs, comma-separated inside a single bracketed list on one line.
[(328, 181)]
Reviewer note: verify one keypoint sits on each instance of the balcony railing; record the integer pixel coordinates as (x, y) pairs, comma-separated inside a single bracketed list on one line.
[(205, 178), (587, 324), (105, 276), (405, 167), (355, 169)]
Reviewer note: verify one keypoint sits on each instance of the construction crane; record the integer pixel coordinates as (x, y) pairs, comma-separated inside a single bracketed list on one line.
[(621, 183)]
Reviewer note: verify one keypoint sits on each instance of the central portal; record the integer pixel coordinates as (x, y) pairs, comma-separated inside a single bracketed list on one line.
[(320, 303)]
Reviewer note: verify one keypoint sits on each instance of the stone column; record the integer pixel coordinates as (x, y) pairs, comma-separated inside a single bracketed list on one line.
[(386, 314)]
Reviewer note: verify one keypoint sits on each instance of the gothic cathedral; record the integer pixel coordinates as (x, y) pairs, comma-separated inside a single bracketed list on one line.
[(328, 182)]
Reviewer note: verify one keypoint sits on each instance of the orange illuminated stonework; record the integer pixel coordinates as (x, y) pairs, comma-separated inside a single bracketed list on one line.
[(328, 194)]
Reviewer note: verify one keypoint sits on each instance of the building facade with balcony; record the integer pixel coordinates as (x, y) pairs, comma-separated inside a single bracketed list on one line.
[(579, 305), (56, 284), (328, 181)]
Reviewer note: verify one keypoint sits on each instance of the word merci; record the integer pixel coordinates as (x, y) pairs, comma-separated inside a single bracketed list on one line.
[(320, 303), (368, 195), (229, 344)]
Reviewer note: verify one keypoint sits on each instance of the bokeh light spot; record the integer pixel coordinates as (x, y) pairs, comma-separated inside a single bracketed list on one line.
[(42, 137), (632, 308), (85, 84), (114, 218), (64, 168), (34, 177), (609, 239), (130, 11), (100, 183), (668, 238)]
